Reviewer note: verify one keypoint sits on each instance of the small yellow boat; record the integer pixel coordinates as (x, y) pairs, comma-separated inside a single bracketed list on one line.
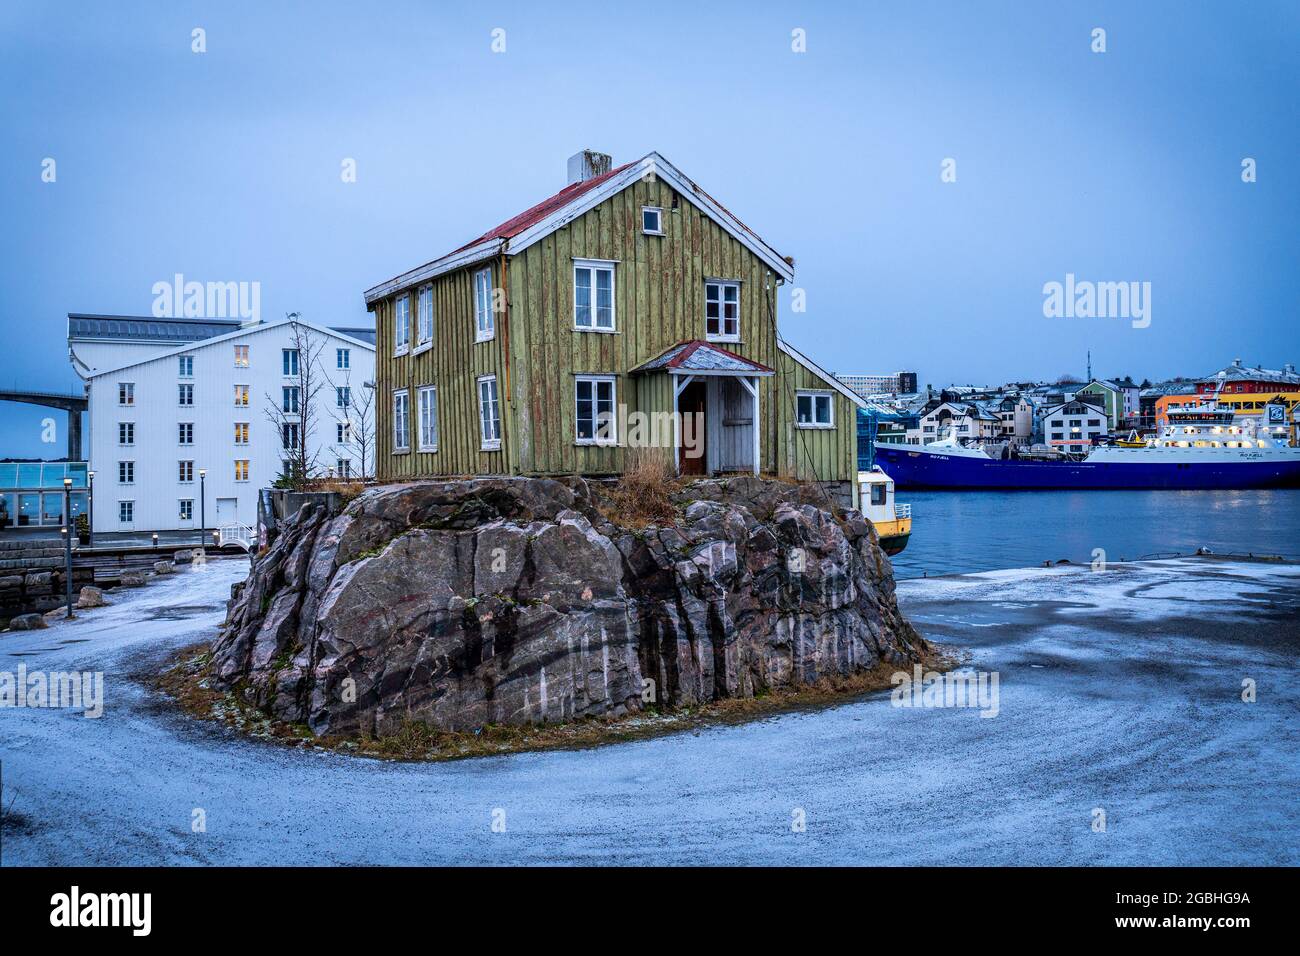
[(893, 521), (1133, 441)]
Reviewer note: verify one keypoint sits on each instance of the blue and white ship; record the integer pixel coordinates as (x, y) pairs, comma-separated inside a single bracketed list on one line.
[(1199, 448)]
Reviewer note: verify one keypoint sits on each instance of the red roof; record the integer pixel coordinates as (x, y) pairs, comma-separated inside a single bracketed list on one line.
[(534, 215), (684, 355)]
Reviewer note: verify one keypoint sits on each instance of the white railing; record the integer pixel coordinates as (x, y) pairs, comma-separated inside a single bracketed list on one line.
[(236, 534), (902, 511)]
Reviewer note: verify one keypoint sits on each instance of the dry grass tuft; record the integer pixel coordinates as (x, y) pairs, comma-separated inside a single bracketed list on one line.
[(644, 495)]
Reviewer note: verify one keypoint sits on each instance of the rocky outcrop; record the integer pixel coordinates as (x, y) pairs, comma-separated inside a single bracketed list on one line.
[(508, 601)]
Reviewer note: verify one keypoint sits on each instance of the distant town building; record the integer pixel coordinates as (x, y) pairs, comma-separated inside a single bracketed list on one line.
[(177, 406), (1072, 426), (1245, 378), (867, 385)]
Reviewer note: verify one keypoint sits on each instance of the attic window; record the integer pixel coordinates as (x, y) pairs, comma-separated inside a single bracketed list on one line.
[(652, 220)]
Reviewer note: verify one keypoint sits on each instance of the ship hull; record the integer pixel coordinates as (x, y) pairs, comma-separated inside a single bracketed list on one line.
[(914, 467)]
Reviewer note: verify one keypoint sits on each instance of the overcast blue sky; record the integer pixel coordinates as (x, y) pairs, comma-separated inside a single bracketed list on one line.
[(225, 166)]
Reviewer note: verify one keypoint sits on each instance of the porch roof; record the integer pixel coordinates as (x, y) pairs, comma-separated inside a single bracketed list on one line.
[(697, 357)]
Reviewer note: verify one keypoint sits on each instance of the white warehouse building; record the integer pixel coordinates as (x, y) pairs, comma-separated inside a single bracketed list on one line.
[(189, 418)]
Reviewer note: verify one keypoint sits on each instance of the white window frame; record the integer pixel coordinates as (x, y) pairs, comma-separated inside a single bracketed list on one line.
[(246, 469), (181, 471), (185, 366), (722, 335), (184, 390), (815, 394), (402, 439), (180, 509), (485, 325), (343, 433), (423, 297), (126, 472), (243, 433), (595, 381), (660, 213), (126, 393), (592, 267), (402, 324), (130, 507), (427, 392), (126, 433), (292, 359), (242, 356), (286, 391), (242, 392), (288, 430), (342, 396), (487, 404), (343, 359), (180, 434)]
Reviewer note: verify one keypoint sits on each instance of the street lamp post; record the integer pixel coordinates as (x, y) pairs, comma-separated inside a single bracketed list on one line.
[(90, 494), (67, 540), (203, 505)]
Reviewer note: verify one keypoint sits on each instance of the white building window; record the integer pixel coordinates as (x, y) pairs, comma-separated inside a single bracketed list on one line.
[(185, 394), (593, 295), (126, 511), (485, 323), (185, 366), (343, 358), (814, 410), (489, 413), (424, 330), (342, 433), (185, 471), (427, 399), (345, 467), (126, 472), (289, 435), (343, 396), (289, 361), (186, 510), (241, 396), (652, 220), (722, 311), (126, 433), (241, 433), (185, 433), (241, 469), (126, 393), (241, 356), (594, 411), (289, 399), (401, 421), (402, 325)]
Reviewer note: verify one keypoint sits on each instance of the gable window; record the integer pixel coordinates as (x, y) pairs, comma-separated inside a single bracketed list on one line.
[(126, 433), (722, 311), (343, 396), (126, 393), (343, 358), (185, 433), (401, 423), (652, 220), (241, 396), (428, 407), (402, 325), (241, 433), (126, 511), (289, 399), (814, 410), (594, 420), (486, 323), (185, 471), (424, 331), (126, 472), (489, 413), (289, 361), (241, 356), (185, 394), (593, 295), (185, 366)]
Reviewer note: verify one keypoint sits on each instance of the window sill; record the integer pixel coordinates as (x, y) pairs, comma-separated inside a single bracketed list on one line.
[(593, 443), (429, 449), (398, 353), (401, 451), (484, 338), (823, 428), (422, 347), (490, 446), (730, 339), (592, 328)]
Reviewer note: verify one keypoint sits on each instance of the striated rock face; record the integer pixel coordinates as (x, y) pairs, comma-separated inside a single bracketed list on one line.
[(514, 600)]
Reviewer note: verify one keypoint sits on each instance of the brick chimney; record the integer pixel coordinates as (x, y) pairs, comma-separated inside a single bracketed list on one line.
[(588, 164)]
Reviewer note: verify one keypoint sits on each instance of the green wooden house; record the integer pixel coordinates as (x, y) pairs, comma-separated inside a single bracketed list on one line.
[(630, 313)]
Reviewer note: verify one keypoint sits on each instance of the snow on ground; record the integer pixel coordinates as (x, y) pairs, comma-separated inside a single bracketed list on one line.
[(1118, 690)]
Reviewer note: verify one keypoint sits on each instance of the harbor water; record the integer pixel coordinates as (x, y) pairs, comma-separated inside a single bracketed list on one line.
[(961, 531)]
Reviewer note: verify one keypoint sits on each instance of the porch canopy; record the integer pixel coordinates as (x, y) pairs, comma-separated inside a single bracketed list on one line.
[(714, 396)]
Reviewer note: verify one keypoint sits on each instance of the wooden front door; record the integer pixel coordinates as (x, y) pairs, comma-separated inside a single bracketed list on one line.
[(692, 456)]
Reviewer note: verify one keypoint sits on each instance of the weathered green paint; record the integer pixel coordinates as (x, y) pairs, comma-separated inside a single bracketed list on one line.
[(659, 300)]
